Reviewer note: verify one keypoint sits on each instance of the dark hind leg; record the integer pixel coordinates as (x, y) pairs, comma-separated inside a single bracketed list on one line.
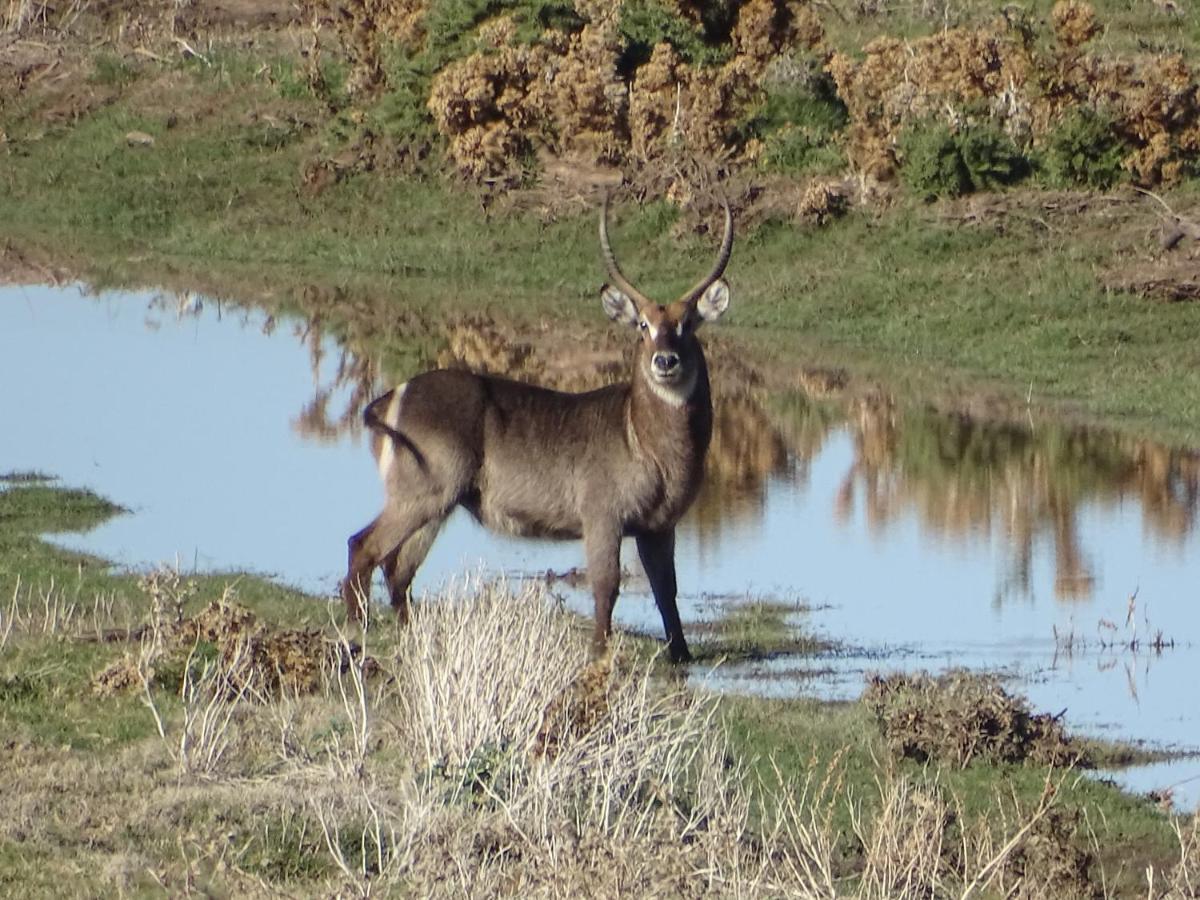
[(382, 539), (400, 566)]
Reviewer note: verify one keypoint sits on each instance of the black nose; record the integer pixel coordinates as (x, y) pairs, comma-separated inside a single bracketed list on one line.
[(665, 362)]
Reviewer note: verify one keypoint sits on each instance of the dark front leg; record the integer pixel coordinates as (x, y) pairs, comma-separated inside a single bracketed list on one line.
[(602, 546), (657, 550)]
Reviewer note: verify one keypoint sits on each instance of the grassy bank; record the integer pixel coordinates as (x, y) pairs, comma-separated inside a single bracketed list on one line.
[(178, 734), (239, 172)]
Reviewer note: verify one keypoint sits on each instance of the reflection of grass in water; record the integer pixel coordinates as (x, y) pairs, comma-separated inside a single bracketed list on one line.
[(28, 476), (960, 474), (31, 505)]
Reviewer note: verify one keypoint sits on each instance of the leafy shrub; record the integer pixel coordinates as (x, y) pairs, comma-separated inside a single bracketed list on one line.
[(799, 122), (1084, 150), (646, 23), (938, 161)]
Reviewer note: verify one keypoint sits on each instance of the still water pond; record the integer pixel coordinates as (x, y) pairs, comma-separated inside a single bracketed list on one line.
[(920, 541)]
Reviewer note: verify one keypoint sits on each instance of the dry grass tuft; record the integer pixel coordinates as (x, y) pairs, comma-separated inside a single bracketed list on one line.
[(253, 656)]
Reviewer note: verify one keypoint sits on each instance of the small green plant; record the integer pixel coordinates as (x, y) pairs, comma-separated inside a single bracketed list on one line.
[(940, 161), (110, 69), (800, 150), (1084, 151)]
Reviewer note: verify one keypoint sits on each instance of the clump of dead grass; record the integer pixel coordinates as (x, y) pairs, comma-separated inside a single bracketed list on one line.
[(962, 716), (253, 655)]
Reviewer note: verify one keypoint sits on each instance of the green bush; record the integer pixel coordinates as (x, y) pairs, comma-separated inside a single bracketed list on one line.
[(938, 161), (799, 123), (1084, 150), (646, 23)]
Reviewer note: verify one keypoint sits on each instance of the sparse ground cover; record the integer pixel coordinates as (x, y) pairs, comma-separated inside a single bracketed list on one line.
[(185, 735)]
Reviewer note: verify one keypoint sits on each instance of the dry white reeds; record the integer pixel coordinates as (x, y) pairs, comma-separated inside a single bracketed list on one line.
[(50, 610), (212, 700), (346, 680), (529, 769), (479, 672), (213, 693)]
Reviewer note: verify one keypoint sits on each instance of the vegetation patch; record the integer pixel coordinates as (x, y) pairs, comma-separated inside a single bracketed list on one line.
[(943, 162), (960, 717), (31, 476), (756, 629), (255, 659)]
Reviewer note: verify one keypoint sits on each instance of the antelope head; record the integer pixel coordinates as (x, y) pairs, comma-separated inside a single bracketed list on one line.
[(669, 356)]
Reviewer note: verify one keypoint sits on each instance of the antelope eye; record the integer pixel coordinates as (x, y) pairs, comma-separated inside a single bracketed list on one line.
[(644, 325)]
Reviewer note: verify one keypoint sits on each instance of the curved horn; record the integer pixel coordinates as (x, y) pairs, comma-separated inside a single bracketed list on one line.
[(722, 259), (610, 262)]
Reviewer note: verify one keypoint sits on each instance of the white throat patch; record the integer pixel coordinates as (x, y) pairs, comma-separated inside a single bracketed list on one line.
[(673, 394)]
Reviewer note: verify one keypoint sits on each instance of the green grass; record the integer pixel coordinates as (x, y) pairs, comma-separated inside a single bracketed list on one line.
[(754, 629), (842, 742)]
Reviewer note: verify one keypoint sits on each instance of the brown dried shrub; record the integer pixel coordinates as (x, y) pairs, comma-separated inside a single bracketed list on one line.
[(961, 716), (582, 100), (822, 201), (362, 26), (567, 93), (480, 104), (767, 28), (900, 83), (1074, 23), (255, 656), (995, 72)]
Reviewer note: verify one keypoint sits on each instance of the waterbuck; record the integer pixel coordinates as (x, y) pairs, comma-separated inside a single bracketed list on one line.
[(624, 460)]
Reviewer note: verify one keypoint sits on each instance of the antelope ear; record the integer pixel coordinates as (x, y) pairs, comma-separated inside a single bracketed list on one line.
[(618, 306), (714, 301)]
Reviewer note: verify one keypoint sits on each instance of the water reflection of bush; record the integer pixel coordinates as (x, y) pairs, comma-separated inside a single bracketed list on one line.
[(960, 477), (963, 477)]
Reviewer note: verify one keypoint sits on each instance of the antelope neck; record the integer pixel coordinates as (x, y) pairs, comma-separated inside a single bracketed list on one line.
[(668, 425)]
